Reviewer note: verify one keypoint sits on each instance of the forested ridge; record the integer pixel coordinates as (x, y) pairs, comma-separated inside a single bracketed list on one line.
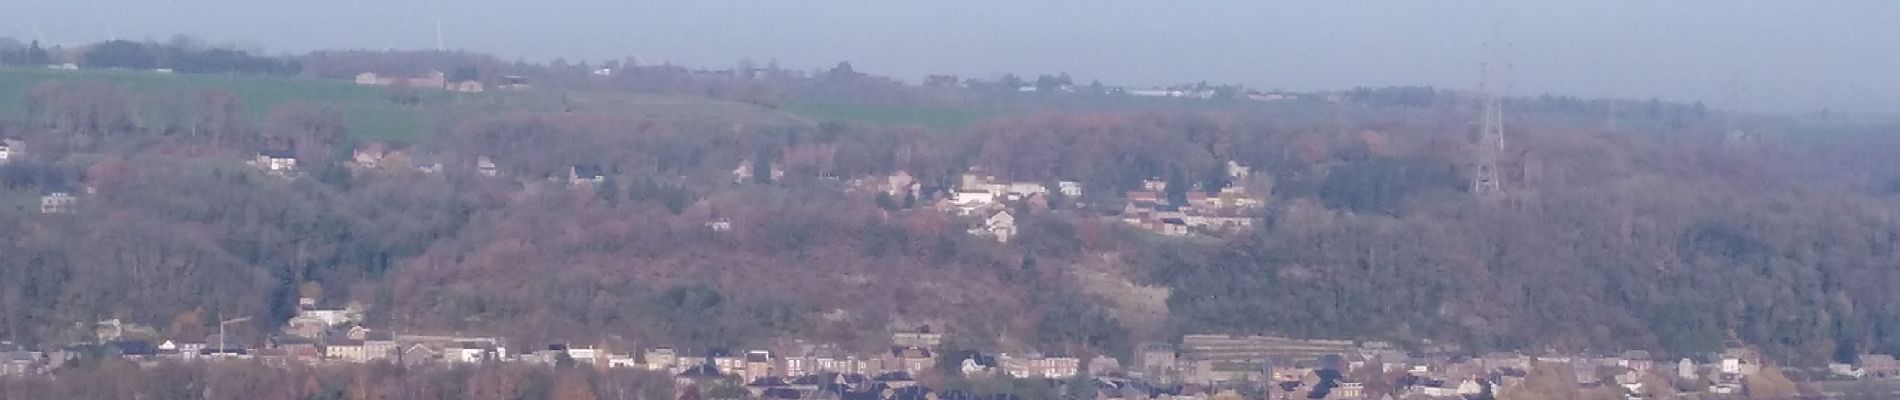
[(1624, 224)]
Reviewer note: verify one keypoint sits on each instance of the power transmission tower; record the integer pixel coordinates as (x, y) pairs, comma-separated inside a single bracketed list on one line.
[(1485, 181)]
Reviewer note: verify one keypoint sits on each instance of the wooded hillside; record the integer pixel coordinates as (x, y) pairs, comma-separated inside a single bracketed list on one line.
[(1624, 224)]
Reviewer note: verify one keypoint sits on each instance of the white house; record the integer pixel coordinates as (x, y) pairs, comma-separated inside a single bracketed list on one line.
[(486, 166), (586, 355), (970, 367), (329, 317), (899, 184), (1024, 189), (967, 202), (57, 203), (276, 161), (1237, 171), (660, 359), (1154, 185), (1470, 387), (10, 149), (586, 175), (1000, 226), (1056, 367), (743, 173), (1070, 189), (621, 361), (475, 350), (466, 354), (1156, 92)]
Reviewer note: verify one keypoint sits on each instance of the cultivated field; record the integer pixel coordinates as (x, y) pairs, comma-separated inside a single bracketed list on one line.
[(882, 114)]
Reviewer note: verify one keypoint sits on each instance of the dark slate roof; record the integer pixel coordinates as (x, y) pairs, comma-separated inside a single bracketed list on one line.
[(700, 371), (290, 341), (901, 351), (816, 379)]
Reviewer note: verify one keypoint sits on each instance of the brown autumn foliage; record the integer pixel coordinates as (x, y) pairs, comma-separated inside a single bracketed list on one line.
[(118, 379), (1663, 237)]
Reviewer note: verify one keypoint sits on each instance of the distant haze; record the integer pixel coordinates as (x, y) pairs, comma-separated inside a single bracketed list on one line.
[(1776, 55)]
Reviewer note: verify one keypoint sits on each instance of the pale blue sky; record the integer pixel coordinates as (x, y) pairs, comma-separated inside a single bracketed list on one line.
[(1782, 55)]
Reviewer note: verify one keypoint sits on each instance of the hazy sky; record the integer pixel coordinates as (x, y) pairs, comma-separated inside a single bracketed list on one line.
[(1777, 55)]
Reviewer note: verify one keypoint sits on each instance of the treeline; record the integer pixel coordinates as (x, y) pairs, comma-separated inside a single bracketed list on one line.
[(28, 54), (181, 54)]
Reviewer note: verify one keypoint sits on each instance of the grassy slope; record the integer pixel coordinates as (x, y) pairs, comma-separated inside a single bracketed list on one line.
[(365, 110), (882, 114), (658, 107)]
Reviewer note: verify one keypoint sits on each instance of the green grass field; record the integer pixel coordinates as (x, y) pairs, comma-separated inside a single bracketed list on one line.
[(928, 117), (657, 107), (366, 110), (368, 113)]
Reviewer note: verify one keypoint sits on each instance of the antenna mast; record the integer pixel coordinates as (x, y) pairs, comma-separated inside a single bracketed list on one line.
[(1732, 94), (1485, 181), (438, 36)]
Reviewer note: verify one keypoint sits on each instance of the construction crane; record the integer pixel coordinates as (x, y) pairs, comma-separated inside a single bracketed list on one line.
[(221, 337)]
